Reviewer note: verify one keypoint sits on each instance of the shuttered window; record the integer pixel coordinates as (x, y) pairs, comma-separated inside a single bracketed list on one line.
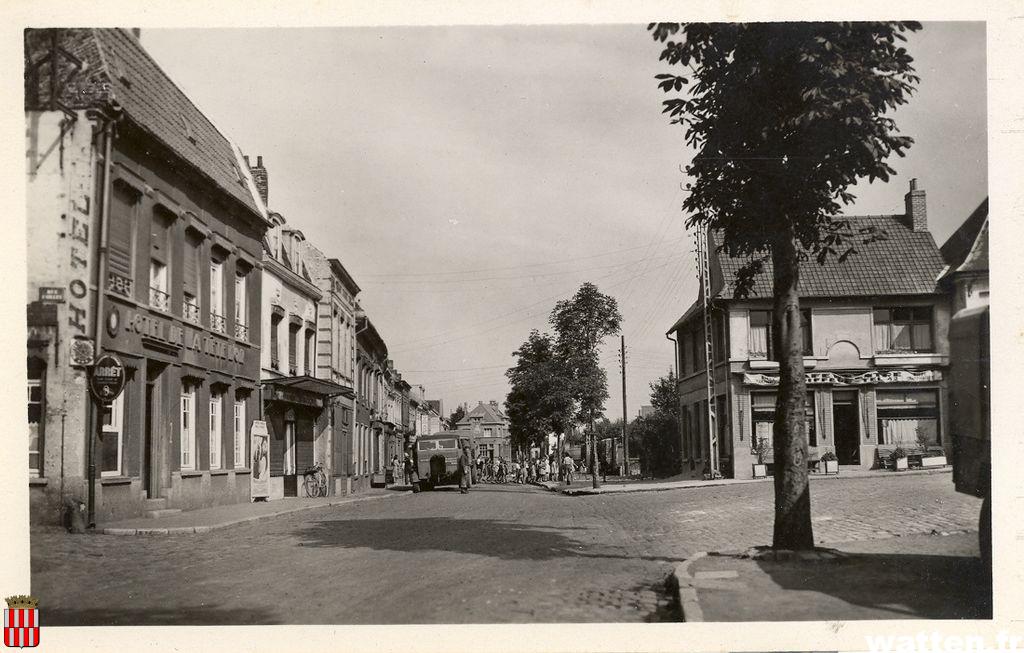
[(191, 264), (123, 204)]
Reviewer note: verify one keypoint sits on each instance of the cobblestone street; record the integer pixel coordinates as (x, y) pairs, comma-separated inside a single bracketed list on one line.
[(499, 554)]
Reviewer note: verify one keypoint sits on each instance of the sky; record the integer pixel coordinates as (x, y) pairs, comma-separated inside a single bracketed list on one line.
[(470, 177)]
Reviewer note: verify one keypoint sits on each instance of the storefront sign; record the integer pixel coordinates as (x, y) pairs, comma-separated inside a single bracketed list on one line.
[(181, 336), (865, 378), (107, 378), (259, 481)]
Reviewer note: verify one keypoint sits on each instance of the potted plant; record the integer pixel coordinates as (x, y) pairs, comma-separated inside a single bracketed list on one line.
[(899, 459), (760, 448), (830, 462)]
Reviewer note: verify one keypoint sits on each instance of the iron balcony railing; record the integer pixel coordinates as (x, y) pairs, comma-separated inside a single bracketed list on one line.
[(190, 311), (160, 300), (241, 332), (218, 323)]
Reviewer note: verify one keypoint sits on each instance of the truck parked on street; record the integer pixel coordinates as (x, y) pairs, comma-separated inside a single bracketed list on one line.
[(437, 457)]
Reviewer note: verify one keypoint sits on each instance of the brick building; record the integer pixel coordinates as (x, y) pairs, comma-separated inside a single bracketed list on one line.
[(490, 429), (143, 239), (875, 351)]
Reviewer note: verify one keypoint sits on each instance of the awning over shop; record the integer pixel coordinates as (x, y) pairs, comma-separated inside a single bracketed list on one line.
[(311, 385)]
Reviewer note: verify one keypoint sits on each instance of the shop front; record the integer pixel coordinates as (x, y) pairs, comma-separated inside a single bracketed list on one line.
[(297, 410)]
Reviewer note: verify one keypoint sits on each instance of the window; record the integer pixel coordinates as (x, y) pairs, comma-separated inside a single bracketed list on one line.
[(120, 239), (275, 353), (188, 428), (36, 405), (307, 362), (908, 417), (215, 430), (217, 321), (289, 446), (762, 409), (111, 437), (903, 329), (293, 337), (190, 278), (241, 308), (239, 424), (158, 296), (760, 342), (696, 355), (721, 324)]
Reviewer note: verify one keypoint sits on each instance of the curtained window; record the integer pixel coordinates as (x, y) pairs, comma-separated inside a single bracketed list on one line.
[(908, 417), (903, 329)]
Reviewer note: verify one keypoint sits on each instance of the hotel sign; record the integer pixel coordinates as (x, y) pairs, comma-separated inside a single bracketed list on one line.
[(180, 336), (865, 378)]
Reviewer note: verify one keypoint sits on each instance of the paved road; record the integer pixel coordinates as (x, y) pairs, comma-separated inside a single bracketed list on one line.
[(498, 554)]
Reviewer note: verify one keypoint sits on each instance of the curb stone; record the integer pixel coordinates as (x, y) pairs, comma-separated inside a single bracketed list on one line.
[(189, 530), (684, 591)]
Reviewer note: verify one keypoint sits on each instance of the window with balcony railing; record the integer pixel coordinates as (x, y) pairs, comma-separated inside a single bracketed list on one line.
[(218, 323), (158, 296), (190, 309), (241, 332)]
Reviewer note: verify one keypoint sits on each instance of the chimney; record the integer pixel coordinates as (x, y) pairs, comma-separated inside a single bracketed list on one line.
[(137, 33), (259, 177), (494, 403), (916, 211)]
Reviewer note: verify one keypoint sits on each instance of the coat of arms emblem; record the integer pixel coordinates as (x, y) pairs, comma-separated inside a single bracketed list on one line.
[(21, 621)]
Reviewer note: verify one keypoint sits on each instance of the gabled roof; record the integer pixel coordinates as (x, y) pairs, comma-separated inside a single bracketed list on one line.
[(150, 100), (342, 274), (906, 262), (966, 250), (489, 414)]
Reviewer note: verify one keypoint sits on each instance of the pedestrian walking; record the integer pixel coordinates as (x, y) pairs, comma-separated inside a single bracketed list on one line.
[(545, 470), (396, 470), (567, 468), (408, 468), (465, 465)]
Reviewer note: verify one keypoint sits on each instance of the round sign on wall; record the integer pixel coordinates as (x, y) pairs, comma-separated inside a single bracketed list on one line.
[(108, 378)]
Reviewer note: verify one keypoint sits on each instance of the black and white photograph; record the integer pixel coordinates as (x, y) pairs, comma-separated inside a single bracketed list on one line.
[(517, 323)]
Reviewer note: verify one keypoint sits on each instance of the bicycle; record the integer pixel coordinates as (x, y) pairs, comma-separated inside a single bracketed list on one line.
[(315, 481)]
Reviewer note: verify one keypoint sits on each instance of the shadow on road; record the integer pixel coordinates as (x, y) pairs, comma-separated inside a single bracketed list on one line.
[(919, 586), (490, 537), (195, 615)]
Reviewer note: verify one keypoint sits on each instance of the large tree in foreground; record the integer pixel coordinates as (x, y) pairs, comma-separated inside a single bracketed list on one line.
[(785, 117), (581, 324)]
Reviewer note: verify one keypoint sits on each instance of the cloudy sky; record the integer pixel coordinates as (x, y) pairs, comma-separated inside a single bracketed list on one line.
[(470, 177)]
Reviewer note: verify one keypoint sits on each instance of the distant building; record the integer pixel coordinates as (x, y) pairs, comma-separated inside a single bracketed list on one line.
[(875, 331), (966, 256), (646, 411), (490, 428)]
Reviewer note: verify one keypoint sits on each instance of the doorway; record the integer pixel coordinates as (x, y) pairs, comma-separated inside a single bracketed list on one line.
[(846, 426), (152, 424)]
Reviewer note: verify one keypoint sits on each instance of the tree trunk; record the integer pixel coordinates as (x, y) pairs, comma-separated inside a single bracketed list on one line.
[(792, 492), (593, 453)]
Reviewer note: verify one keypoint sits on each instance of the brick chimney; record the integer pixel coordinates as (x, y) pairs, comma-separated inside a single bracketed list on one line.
[(916, 211), (259, 177)]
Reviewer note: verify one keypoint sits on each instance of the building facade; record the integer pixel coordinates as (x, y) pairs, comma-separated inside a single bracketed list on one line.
[(966, 255), (875, 351), (489, 427), (371, 365), (144, 241)]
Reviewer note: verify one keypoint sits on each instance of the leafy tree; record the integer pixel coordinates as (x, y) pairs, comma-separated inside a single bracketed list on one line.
[(581, 324), (540, 400), (656, 437), (457, 415), (785, 117), (665, 395)]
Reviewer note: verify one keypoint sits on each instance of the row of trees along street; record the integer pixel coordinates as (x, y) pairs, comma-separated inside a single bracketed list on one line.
[(557, 382), (785, 118)]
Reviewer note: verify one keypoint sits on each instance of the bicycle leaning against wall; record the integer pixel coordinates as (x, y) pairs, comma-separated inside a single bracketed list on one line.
[(315, 481)]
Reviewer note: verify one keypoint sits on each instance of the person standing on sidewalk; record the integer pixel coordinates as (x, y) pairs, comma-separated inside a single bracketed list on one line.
[(465, 465), (408, 468), (545, 470), (396, 470)]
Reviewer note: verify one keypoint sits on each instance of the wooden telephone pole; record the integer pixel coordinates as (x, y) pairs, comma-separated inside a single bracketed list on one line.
[(625, 415)]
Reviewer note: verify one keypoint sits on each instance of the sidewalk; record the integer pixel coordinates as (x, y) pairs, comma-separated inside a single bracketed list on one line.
[(913, 577), (582, 487), (208, 519)]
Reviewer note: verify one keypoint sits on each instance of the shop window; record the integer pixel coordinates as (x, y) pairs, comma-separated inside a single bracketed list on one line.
[(289, 446), (216, 401), (188, 428), (760, 343), (36, 411), (908, 417), (217, 320), (241, 308), (112, 437), (239, 429), (762, 409), (159, 298), (190, 278), (903, 329)]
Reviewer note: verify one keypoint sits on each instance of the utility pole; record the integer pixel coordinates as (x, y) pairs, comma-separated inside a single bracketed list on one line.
[(625, 415), (712, 467)]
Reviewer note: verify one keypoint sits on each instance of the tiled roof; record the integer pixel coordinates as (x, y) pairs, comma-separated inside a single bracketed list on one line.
[(906, 262), (155, 104), (966, 250), (489, 413)]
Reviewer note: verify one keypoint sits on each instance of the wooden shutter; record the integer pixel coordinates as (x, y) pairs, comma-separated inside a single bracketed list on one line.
[(119, 237)]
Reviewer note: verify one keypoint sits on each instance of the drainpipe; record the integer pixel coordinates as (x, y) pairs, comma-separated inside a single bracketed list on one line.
[(101, 273)]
